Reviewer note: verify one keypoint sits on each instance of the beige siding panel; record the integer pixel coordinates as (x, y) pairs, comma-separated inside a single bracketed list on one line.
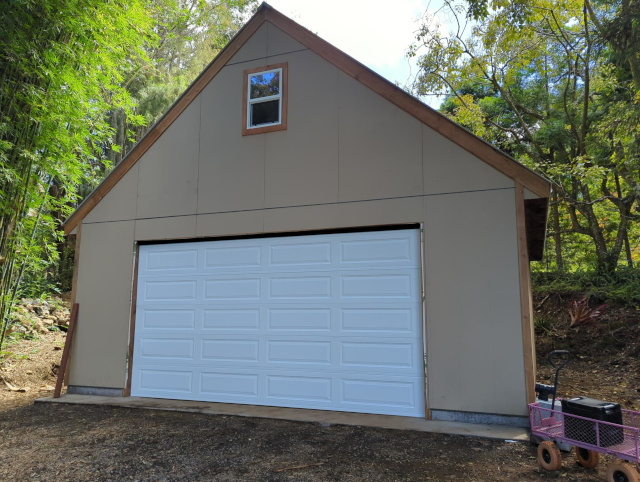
[(168, 177), (380, 146), (475, 342), (120, 203), (443, 324), (449, 168), (178, 227), (104, 295), (506, 328), (231, 175), (230, 224), (254, 48), (280, 42), (383, 212), (301, 165), (301, 218), (475, 358)]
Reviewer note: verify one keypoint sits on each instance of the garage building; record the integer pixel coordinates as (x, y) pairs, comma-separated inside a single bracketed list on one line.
[(298, 232)]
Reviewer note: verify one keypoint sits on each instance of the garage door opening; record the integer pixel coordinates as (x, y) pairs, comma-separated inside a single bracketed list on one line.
[(327, 321)]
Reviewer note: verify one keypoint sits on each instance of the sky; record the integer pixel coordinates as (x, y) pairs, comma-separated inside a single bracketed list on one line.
[(374, 32)]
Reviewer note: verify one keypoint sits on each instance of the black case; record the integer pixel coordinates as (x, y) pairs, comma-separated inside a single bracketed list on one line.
[(584, 430)]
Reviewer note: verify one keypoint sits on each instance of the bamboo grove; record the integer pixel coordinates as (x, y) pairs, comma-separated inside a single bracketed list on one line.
[(80, 82)]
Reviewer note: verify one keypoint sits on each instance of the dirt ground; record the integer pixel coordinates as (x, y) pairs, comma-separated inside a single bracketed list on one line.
[(30, 367), (45, 442)]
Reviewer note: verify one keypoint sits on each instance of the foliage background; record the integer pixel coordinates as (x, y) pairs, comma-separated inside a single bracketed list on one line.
[(81, 81), (555, 84)]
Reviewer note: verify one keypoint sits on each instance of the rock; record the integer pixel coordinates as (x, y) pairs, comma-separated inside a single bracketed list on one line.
[(25, 320), (40, 327), (37, 310), (17, 328), (47, 321)]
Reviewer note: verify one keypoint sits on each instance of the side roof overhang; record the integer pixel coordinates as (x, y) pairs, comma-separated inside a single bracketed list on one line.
[(428, 116)]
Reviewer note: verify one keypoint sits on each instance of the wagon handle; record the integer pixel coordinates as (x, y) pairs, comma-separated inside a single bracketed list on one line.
[(550, 356), (557, 353)]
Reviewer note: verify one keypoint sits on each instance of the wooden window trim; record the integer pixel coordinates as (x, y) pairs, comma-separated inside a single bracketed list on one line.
[(284, 96)]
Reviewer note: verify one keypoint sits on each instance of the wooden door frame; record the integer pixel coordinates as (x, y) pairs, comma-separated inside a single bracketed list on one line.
[(132, 319)]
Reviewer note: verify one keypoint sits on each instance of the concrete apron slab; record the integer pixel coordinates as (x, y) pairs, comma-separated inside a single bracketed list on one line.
[(301, 415)]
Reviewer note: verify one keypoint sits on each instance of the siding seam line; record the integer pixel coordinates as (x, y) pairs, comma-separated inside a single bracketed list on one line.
[(307, 205), (262, 58)]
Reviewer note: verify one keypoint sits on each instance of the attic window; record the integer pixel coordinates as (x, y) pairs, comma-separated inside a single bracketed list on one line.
[(264, 105)]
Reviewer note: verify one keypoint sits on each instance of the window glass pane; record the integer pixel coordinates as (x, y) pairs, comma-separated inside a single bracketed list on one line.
[(265, 112), (264, 85)]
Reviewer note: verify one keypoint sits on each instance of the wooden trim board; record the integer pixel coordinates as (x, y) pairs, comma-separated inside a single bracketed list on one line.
[(132, 324), (526, 303), (65, 353), (430, 117), (423, 294), (74, 287), (284, 96)]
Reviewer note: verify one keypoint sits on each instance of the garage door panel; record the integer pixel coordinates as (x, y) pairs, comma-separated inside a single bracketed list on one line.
[(226, 319), (310, 389), (386, 251), (156, 382), (286, 388), (382, 321), (167, 318), (372, 319), (245, 289), (299, 352), (327, 322), (362, 392), (172, 260), (221, 350), (232, 257), (296, 253), (303, 255), (397, 356), (300, 288), (379, 355), (230, 385), (169, 290), (380, 286), (162, 349)]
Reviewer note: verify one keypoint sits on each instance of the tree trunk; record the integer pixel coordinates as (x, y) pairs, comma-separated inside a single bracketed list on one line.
[(556, 232)]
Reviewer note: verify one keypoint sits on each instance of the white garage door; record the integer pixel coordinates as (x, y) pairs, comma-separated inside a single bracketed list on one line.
[(329, 322)]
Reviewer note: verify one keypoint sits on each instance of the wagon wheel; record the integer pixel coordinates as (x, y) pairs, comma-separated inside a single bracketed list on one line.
[(549, 456), (587, 458), (622, 473)]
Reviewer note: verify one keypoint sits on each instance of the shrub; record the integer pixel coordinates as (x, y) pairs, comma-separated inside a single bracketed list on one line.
[(620, 288)]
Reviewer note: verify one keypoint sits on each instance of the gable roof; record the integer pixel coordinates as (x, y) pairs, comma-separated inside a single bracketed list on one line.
[(428, 116)]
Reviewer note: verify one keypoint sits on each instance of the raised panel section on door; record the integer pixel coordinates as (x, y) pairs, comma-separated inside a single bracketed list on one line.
[(330, 322)]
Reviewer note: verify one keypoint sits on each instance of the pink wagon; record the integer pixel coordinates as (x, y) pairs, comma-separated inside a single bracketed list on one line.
[(590, 438)]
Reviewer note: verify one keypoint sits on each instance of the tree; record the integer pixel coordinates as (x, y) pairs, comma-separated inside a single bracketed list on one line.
[(190, 34), (553, 84), (62, 67)]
